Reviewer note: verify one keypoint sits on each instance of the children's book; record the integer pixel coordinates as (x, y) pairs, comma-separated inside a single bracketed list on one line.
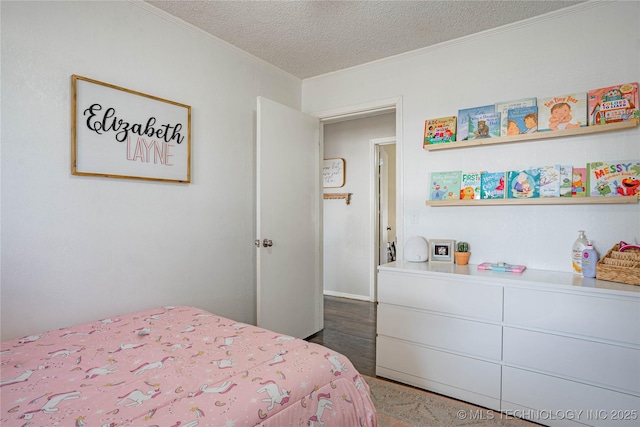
[(445, 185), (578, 182), (504, 107), (523, 184), (484, 126), (549, 181), (470, 185), (501, 266), (566, 172), (492, 185), (613, 178), (562, 112), (613, 104), (464, 117), (522, 120), (439, 131)]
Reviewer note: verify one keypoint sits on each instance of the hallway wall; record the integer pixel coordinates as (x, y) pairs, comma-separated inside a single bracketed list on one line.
[(347, 228)]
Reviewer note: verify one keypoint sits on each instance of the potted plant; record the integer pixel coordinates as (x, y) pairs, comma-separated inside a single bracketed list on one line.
[(462, 253)]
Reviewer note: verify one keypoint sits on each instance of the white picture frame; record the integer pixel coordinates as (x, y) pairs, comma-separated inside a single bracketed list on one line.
[(333, 173)]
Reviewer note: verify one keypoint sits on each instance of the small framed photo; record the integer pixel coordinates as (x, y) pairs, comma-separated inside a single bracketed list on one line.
[(441, 250)]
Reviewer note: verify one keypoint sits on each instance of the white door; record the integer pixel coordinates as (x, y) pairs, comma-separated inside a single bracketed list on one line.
[(289, 264)]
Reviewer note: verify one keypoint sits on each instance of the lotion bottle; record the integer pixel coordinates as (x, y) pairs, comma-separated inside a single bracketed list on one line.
[(589, 260), (576, 254)]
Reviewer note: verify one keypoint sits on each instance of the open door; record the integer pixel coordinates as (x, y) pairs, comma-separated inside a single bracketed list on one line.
[(289, 242)]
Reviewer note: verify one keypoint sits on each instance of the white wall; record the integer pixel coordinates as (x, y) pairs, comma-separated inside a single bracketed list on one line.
[(588, 46), (79, 248), (347, 228)]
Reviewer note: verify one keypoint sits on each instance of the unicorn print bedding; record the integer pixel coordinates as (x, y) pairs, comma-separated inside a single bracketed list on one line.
[(177, 366)]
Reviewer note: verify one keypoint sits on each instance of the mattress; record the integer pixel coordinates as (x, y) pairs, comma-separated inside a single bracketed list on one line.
[(177, 366)]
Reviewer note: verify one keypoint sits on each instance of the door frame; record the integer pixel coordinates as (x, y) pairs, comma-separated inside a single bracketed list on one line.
[(374, 218), (369, 109)]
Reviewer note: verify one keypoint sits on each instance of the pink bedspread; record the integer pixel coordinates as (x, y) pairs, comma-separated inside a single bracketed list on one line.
[(177, 366)]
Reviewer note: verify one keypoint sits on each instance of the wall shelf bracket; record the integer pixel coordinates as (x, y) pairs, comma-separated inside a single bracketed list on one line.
[(345, 196)]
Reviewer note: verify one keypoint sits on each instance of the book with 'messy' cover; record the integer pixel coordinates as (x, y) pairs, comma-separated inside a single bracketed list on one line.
[(613, 104), (613, 178), (562, 112), (484, 126), (504, 107), (440, 130), (445, 185), (464, 117)]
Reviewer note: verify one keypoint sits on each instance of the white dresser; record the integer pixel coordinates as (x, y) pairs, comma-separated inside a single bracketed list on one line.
[(548, 346)]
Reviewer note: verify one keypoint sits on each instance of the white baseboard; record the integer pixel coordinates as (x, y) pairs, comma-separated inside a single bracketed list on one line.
[(350, 296)]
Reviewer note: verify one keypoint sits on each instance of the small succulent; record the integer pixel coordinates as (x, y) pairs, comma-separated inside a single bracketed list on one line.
[(463, 247)]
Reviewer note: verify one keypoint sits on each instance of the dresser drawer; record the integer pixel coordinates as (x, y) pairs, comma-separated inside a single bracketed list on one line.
[(477, 300), (459, 372), (450, 333), (606, 365), (609, 318), (562, 402)]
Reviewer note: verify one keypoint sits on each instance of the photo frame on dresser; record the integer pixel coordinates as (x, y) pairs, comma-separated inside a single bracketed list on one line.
[(441, 251)]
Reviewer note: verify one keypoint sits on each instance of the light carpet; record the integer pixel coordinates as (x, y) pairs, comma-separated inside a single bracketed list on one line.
[(398, 405)]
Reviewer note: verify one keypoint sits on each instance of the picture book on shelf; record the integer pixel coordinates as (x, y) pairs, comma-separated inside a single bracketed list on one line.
[(484, 126), (492, 185), (566, 172), (562, 112), (549, 181), (579, 182), (613, 178), (522, 120), (445, 185), (613, 104), (470, 185), (439, 131), (523, 184), (504, 107), (464, 117)]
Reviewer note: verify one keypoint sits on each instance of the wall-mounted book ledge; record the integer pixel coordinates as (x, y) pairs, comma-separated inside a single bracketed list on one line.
[(345, 196), (587, 130), (537, 201)]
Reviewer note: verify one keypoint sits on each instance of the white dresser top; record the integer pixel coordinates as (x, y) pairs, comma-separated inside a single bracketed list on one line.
[(556, 280)]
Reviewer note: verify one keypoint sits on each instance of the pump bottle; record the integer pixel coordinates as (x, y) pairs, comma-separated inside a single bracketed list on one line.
[(576, 254), (589, 260)]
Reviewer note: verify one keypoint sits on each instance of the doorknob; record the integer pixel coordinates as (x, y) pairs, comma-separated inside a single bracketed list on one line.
[(267, 243)]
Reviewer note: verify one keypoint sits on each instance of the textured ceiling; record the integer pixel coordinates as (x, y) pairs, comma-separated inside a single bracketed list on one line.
[(309, 38)]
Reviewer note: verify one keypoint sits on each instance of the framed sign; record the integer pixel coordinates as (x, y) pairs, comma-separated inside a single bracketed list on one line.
[(333, 173), (441, 250), (120, 133)]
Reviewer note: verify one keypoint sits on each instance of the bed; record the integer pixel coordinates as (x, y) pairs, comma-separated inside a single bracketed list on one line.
[(177, 366)]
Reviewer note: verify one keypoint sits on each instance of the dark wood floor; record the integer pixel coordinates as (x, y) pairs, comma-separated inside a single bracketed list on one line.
[(350, 329)]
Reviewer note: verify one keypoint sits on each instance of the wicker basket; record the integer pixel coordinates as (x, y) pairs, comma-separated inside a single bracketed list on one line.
[(619, 266)]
